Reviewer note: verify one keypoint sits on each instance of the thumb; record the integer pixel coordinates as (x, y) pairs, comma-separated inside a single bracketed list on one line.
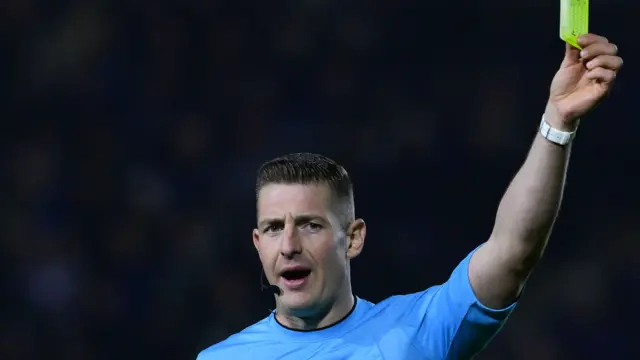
[(571, 55)]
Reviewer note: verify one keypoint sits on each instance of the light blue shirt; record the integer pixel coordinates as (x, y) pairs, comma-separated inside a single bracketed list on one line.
[(444, 322)]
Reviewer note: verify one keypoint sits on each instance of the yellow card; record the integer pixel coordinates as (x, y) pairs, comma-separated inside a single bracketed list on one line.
[(574, 20)]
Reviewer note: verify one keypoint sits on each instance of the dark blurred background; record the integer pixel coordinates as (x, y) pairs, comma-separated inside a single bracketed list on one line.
[(132, 131)]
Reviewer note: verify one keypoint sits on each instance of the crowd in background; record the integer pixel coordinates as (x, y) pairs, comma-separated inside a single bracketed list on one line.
[(132, 134)]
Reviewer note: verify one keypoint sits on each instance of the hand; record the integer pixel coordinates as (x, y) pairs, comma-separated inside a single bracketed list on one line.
[(583, 80)]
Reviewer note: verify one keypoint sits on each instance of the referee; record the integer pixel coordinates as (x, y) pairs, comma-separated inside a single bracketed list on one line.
[(307, 233)]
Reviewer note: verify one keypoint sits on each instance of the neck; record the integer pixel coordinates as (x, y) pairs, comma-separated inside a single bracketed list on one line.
[(320, 317)]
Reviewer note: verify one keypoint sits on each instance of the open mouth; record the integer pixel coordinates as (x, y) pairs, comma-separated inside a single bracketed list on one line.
[(295, 279), (296, 275)]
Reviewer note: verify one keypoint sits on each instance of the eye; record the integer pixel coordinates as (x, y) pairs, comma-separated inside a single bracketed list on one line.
[(272, 228), (312, 226)]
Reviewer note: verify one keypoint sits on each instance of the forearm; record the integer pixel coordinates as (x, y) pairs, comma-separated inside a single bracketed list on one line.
[(530, 205), (523, 223)]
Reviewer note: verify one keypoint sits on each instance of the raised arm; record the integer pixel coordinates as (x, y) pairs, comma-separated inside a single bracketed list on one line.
[(527, 212)]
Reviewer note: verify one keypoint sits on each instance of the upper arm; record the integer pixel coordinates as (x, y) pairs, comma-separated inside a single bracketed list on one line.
[(498, 271), (449, 320)]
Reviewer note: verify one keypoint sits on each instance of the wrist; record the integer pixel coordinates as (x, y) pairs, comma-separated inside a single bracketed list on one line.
[(554, 135), (559, 120)]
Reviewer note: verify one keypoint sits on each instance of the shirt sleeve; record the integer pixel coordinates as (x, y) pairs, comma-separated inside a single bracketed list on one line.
[(449, 321)]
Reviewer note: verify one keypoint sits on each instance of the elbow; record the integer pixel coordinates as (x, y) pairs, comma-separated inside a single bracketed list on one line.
[(519, 255)]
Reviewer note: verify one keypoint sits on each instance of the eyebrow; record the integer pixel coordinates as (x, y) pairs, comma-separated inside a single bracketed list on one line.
[(300, 219)]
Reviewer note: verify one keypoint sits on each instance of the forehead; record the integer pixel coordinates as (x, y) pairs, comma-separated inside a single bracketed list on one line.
[(277, 200)]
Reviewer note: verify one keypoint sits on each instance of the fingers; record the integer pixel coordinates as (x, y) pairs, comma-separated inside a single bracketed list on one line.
[(598, 48), (600, 58), (592, 46), (602, 75), (588, 39), (605, 61), (571, 54)]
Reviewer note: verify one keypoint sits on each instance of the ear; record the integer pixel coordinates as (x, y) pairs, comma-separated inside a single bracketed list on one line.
[(355, 238), (256, 239)]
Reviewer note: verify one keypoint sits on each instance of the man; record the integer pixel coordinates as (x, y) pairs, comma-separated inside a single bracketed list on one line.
[(307, 234)]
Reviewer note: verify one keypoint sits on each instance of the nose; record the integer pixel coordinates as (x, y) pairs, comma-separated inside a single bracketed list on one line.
[(290, 244)]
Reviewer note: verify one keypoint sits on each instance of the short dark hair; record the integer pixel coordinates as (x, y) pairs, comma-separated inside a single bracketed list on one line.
[(306, 169)]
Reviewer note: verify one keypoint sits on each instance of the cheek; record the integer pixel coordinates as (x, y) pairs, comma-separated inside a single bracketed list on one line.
[(332, 255), (268, 257), (323, 248)]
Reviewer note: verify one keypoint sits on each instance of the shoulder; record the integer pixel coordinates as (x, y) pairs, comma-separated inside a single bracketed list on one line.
[(241, 344), (400, 303), (399, 308)]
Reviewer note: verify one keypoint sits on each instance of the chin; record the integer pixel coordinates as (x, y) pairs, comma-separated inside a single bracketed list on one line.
[(297, 301)]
